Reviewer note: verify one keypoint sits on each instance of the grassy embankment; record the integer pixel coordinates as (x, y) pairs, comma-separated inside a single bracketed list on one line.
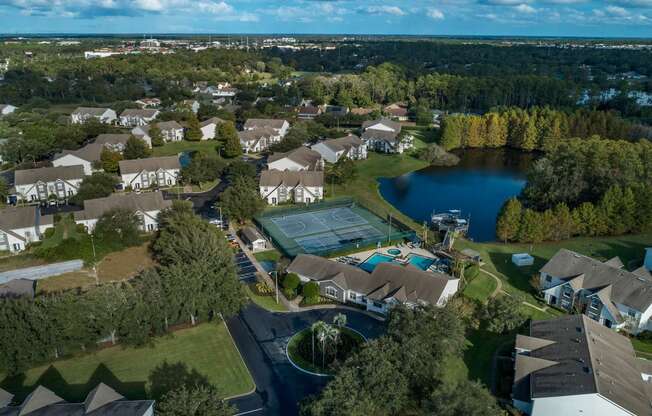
[(205, 352)]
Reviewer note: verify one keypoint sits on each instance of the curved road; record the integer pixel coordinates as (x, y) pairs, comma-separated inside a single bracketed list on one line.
[(261, 337)]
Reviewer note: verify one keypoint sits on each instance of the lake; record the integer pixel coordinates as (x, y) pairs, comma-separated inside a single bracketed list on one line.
[(478, 186)]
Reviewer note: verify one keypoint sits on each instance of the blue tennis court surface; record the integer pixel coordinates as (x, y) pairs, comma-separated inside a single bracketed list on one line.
[(325, 228)]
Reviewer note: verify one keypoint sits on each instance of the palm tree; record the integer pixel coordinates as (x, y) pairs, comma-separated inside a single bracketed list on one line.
[(316, 327), (330, 335), (340, 322), (321, 336)]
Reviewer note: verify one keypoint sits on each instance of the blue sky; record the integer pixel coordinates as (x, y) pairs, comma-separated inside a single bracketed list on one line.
[(614, 18)]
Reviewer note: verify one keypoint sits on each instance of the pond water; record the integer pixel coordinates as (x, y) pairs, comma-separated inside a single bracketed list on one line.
[(478, 186), (185, 158)]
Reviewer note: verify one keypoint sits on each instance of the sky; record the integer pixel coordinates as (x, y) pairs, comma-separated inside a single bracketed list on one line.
[(590, 18)]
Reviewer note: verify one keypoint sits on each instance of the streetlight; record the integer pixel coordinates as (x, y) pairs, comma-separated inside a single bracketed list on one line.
[(94, 259), (275, 283)]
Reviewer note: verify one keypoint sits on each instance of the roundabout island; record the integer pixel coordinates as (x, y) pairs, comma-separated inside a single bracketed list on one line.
[(320, 349)]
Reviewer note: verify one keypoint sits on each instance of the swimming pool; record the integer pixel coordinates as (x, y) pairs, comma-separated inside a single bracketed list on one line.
[(375, 259)]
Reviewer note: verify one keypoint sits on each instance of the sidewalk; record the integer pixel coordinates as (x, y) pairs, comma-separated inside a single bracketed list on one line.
[(262, 273)]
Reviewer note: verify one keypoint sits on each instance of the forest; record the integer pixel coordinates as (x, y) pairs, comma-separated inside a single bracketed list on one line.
[(536, 128), (583, 187), (194, 282)]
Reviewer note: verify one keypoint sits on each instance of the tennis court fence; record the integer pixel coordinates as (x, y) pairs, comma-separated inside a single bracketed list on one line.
[(377, 230)]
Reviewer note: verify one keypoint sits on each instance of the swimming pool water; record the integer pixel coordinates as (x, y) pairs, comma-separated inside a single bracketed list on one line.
[(417, 261)]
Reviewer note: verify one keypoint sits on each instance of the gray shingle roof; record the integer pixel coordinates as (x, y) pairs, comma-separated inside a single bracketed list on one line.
[(304, 156), (403, 283), (256, 134), (387, 136), (169, 125), (100, 396), (139, 112), (213, 120), (275, 177), (144, 202), (343, 143), (91, 152), (389, 123), (90, 111), (627, 288), (590, 359), (30, 176), (250, 234), (150, 164), (39, 398), (12, 218), (264, 122), (102, 401), (5, 398), (112, 139)]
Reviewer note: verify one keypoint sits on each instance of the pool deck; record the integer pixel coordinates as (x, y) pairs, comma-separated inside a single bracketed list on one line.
[(405, 250)]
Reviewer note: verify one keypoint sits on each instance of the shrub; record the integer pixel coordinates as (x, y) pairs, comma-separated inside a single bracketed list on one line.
[(291, 281), (311, 290), (289, 293), (49, 232)]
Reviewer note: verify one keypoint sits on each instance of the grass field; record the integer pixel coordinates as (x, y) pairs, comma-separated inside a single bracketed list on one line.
[(125, 264), (269, 255), (20, 261), (65, 281), (480, 288), (266, 302), (365, 186), (203, 353), (516, 280), (174, 148)]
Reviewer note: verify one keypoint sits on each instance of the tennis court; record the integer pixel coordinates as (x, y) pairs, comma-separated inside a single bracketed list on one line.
[(325, 228)]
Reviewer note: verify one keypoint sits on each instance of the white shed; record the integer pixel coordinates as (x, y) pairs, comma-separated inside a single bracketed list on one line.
[(253, 239), (522, 259)]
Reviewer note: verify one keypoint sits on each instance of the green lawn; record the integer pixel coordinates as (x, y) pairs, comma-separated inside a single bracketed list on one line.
[(643, 348), (266, 302), (269, 255), (516, 280), (480, 288), (174, 148), (205, 352), (481, 346), (365, 186)]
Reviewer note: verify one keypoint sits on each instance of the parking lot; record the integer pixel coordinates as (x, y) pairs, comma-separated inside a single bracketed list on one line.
[(246, 269)]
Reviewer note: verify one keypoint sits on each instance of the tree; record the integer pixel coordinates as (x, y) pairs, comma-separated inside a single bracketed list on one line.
[(465, 397), (118, 227), (227, 133), (156, 135), (4, 191), (240, 168), (98, 185), (532, 229), (242, 201), (291, 281), (194, 401), (136, 149), (342, 171), (503, 314), (193, 133), (110, 160), (509, 220), (202, 168), (311, 291)]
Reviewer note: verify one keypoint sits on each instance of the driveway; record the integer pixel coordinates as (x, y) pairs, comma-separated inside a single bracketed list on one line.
[(261, 337)]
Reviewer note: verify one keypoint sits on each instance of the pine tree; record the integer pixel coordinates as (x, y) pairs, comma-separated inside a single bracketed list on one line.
[(532, 227), (136, 149), (452, 130), (156, 135), (496, 130), (193, 133), (229, 137), (509, 220)]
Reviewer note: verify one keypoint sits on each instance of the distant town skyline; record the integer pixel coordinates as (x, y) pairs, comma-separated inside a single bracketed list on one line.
[(585, 18)]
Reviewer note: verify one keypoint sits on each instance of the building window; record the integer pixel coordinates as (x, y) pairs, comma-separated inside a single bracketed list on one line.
[(352, 296), (631, 313), (331, 291), (548, 278)]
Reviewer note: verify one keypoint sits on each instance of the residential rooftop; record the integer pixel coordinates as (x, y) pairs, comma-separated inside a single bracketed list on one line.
[(150, 164), (49, 174)]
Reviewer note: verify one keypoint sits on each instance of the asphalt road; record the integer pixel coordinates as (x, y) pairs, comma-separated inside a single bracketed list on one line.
[(261, 337)]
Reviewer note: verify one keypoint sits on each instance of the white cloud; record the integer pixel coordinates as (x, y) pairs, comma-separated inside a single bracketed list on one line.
[(385, 9), (435, 14), (525, 8), (616, 11)]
